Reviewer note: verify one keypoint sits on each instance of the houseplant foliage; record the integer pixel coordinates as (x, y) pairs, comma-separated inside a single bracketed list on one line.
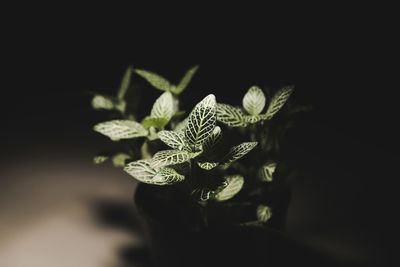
[(215, 165)]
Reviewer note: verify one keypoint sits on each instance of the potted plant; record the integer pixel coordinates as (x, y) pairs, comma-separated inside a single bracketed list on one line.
[(208, 177)]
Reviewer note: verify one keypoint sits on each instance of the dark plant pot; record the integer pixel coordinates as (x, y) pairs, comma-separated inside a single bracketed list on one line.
[(176, 239)]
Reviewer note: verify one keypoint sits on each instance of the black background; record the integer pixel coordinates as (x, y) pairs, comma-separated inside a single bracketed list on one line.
[(342, 64)]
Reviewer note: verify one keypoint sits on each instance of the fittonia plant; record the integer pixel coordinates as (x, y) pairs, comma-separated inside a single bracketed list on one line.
[(192, 155)]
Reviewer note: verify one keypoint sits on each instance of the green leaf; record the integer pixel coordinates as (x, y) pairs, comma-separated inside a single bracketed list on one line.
[(102, 102), (154, 79), (263, 213), (181, 125), (170, 157), (100, 159), (158, 123), (254, 100), (253, 118), (163, 107), (207, 165), (235, 184), (173, 139), (185, 80), (167, 176), (277, 101), (126, 80), (213, 139), (142, 171), (267, 171), (119, 159), (237, 152), (201, 121), (230, 115), (121, 129)]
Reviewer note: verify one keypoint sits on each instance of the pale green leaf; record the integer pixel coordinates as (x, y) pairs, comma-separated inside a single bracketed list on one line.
[(185, 80), (99, 159), (237, 152), (126, 80), (173, 139), (207, 165), (277, 101), (102, 102), (213, 139), (154, 79), (142, 171), (119, 159), (267, 171), (264, 213), (167, 176), (235, 184), (163, 107), (121, 129), (254, 100), (170, 157), (201, 121), (230, 115), (158, 123), (253, 118)]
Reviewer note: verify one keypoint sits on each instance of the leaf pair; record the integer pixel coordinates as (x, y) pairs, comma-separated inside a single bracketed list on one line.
[(253, 102), (163, 84)]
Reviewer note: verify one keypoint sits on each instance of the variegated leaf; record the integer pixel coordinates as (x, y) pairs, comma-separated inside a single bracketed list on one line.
[(119, 159), (253, 118), (201, 121), (126, 80), (185, 80), (231, 116), (267, 171), (235, 184), (121, 129), (278, 100), (264, 213), (154, 79), (237, 152), (100, 159), (173, 139), (167, 176), (254, 100), (158, 123), (163, 107), (207, 165), (142, 171), (213, 139), (169, 157)]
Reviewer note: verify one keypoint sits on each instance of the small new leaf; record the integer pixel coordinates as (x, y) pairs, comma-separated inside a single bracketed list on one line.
[(173, 139), (158, 123), (277, 101), (169, 157), (235, 184), (263, 213), (102, 102), (119, 159), (267, 171), (253, 118), (154, 79), (126, 80), (201, 121), (121, 129), (237, 152), (207, 165), (185, 80), (163, 107), (254, 101), (230, 115), (99, 159), (167, 176)]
